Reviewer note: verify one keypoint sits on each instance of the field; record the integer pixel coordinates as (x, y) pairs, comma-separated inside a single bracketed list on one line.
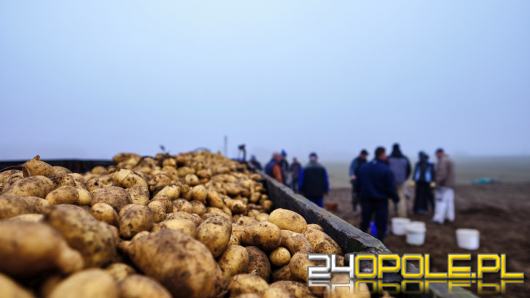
[(499, 211)]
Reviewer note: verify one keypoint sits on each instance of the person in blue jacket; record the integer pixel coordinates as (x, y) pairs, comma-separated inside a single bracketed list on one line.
[(377, 185), (313, 181)]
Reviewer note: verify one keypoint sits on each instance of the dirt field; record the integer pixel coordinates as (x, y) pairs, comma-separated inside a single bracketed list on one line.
[(501, 212)]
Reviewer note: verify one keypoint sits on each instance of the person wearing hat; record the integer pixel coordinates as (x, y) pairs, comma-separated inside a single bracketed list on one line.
[(423, 177), (313, 181), (355, 165)]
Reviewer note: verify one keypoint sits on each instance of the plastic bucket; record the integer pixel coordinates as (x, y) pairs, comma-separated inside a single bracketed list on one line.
[(416, 233), (399, 225), (468, 239)]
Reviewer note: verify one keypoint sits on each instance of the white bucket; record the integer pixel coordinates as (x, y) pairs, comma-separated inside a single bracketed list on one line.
[(416, 233), (399, 225), (468, 238)]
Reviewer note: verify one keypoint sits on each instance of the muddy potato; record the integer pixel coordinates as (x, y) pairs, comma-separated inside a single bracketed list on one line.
[(139, 194), (37, 167), (315, 227), (197, 220), (199, 193), (214, 199), (87, 284), (234, 261), (263, 234), (9, 177), (34, 186), (298, 266), (115, 196), (247, 284), (213, 211), (104, 212), (138, 286), (258, 262), (215, 232), (134, 219), (262, 217), (92, 238), (182, 205), (283, 273), (198, 208), (280, 256), (296, 289), (277, 293), (191, 180), (171, 191), (12, 205), (288, 220), (295, 242), (322, 243), (127, 178), (30, 217), (119, 271), (95, 182), (69, 195), (10, 289), (158, 210), (182, 264), (28, 248), (245, 220), (236, 206), (186, 226), (49, 284)]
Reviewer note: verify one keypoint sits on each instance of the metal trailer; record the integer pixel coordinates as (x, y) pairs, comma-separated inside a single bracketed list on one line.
[(347, 236)]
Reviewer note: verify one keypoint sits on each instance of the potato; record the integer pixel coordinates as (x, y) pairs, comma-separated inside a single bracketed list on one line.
[(138, 286), (198, 208), (182, 264), (158, 210), (277, 293), (199, 193), (69, 195), (191, 180), (127, 179), (171, 192), (87, 284), (93, 183), (197, 220), (182, 205), (236, 206), (30, 217), (92, 238), (34, 186), (214, 199), (115, 196), (280, 256), (322, 243), (9, 177), (215, 232), (298, 266), (258, 262), (284, 273), (37, 167), (104, 212), (234, 261), (139, 194), (247, 284), (12, 205), (72, 179), (28, 248), (360, 291), (315, 227), (10, 289), (212, 211), (119, 271), (296, 289), (262, 217), (263, 234), (186, 226), (288, 220), (49, 284), (134, 219), (245, 220), (295, 242)]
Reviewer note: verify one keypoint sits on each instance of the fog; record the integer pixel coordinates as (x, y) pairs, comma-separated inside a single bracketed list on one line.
[(87, 80)]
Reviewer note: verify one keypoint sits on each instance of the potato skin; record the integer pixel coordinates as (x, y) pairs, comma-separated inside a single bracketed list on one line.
[(69, 195), (86, 284), (34, 186), (13, 205), (215, 233), (247, 284), (29, 248), (258, 263), (280, 256), (115, 196), (186, 226), (234, 261), (182, 264), (322, 243), (295, 242), (283, 273), (295, 289), (10, 289), (92, 238), (134, 219), (298, 266), (139, 286), (263, 234), (104, 212), (288, 220), (119, 271)]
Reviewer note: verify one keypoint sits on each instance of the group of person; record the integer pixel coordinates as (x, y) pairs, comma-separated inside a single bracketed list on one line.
[(385, 177), (375, 182), (311, 180)]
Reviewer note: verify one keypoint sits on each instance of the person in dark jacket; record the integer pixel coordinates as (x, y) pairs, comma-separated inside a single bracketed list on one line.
[(295, 170), (423, 177), (355, 165), (376, 182), (255, 163), (313, 181), (400, 167), (284, 163), (274, 169)]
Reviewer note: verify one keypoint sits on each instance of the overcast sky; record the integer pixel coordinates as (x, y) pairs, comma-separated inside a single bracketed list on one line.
[(89, 79)]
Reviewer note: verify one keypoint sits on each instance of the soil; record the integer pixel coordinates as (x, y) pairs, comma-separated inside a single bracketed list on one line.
[(501, 212)]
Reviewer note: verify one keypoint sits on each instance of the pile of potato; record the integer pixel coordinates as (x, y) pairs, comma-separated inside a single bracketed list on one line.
[(191, 225)]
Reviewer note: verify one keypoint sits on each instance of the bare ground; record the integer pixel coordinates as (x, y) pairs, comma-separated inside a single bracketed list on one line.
[(501, 212)]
